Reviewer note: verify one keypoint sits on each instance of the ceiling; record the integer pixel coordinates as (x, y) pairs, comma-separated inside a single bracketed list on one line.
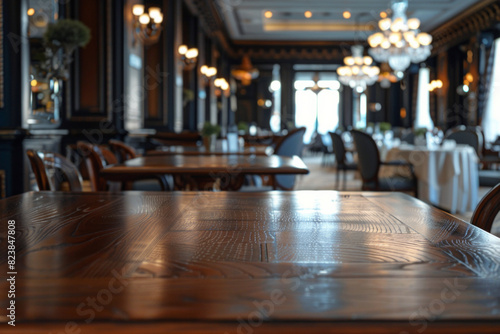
[(244, 19)]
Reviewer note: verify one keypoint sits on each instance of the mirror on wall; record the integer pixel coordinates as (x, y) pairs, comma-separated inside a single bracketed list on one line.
[(45, 91)]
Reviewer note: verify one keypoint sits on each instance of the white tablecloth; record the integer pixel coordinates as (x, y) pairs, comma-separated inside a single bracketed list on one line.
[(447, 177)]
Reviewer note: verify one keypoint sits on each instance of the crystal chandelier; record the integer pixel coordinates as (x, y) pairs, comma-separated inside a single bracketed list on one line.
[(400, 42), (357, 72)]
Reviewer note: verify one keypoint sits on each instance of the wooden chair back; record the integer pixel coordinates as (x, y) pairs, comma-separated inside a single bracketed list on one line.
[(38, 169), (123, 151), (63, 170), (94, 161), (486, 211)]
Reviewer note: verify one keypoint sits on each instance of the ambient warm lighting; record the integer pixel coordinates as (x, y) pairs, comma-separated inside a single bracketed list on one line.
[(383, 15), (31, 12), (138, 10), (147, 26), (435, 84), (399, 42), (188, 55), (222, 84), (34, 83), (308, 14), (208, 71), (346, 14), (245, 72), (268, 14), (358, 72)]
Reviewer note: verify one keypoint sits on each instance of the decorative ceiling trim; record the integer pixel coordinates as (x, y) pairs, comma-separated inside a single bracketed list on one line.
[(478, 17), (283, 53), (475, 19)]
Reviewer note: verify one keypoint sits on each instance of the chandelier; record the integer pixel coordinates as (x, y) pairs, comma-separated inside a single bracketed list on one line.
[(387, 76), (357, 72), (399, 42), (245, 72)]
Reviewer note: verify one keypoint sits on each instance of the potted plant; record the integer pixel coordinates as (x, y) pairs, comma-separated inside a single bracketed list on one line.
[(209, 132), (242, 128), (420, 134), (61, 39)]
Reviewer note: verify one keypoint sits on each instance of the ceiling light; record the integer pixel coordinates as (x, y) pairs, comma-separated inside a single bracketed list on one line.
[(268, 14), (308, 14), (31, 12), (357, 72), (383, 15), (346, 14), (245, 72), (399, 42)]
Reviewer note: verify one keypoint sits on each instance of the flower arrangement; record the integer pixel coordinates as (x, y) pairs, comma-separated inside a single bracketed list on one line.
[(61, 39)]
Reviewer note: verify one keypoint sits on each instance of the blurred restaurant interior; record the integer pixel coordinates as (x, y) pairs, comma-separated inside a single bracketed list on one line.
[(118, 116)]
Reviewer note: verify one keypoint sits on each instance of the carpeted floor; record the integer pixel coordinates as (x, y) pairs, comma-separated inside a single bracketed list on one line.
[(322, 177)]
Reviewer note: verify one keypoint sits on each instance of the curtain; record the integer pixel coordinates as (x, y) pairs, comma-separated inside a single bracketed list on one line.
[(491, 115), (423, 116)]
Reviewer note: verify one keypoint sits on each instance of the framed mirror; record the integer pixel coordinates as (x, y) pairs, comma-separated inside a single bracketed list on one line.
[(45, 90)]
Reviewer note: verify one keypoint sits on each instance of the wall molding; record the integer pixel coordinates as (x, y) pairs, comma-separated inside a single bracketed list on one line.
[(481, 16)]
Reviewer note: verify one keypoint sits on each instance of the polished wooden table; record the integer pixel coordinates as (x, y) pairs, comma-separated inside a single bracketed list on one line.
[(200, 150), (201, 171), (275, 262)]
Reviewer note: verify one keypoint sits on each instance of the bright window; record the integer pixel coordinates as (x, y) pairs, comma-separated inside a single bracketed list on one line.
[(317, 111), (491, 117)]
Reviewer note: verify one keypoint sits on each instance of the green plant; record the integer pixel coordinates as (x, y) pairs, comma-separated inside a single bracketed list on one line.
[(187, 96), (243, 126), (60, 40), (384, 126), (210, 129), (67, 33), (420, 132)]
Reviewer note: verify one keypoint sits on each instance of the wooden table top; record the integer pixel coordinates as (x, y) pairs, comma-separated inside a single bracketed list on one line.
[(291, 262), (205, 165), (200, 150)]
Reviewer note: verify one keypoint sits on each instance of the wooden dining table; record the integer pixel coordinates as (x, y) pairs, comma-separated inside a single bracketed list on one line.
[(200, 172), (200, 150), (269, 262)]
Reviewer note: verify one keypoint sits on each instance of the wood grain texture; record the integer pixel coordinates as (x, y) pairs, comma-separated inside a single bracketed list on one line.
[(200, 150), (201, 172), (199, 262), (206, 165)]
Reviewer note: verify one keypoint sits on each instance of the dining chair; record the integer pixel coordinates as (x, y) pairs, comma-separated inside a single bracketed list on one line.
[(44, 164), (340, 159), (289, 145), (122, 150), (95, 162), (125, 152), (487, 209), (464, 136), (369, 165), (38, 169)]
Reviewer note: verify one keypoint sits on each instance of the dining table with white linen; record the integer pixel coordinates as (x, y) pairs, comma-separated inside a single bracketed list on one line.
[(447, 175)]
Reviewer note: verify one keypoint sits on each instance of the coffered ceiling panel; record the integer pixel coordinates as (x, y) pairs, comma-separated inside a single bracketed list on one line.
[(245, 19)]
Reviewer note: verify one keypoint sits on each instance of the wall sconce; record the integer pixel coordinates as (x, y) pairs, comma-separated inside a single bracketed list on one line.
[(222, 84), (435, 84), (208, 72), (188, 56), (147, 26)]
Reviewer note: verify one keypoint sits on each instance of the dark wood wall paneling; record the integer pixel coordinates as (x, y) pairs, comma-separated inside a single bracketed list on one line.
[(11, 134), (156, 61), (190, 73)]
